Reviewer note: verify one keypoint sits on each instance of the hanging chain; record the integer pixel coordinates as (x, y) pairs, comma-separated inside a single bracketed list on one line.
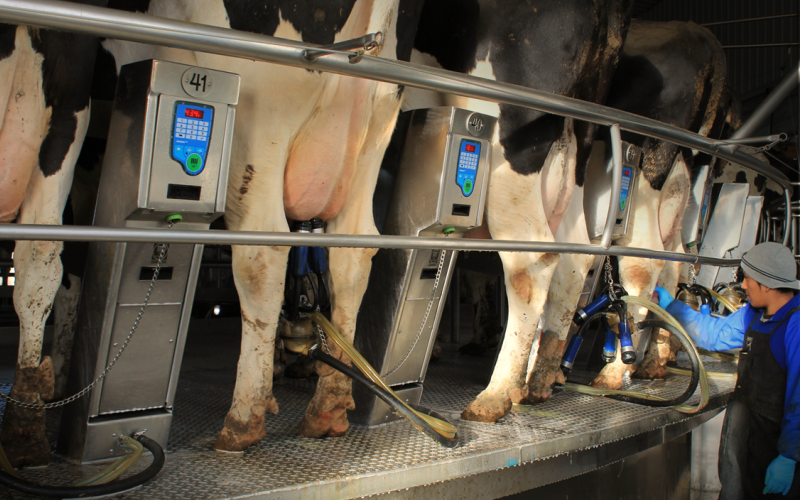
[(442, 256), (78, 395), (692, 275), (324, 339), (733, 269), (768, 146), (609, 280)]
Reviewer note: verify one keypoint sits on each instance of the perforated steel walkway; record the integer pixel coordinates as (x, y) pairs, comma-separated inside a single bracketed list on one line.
[(385, 458)]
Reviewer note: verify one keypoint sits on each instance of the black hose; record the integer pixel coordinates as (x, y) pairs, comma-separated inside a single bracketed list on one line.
[(353, 373), (111, 488), (695, 360)]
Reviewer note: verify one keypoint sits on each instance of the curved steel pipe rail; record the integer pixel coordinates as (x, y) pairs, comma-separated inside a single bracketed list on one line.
[(142, 28), (42, 232)]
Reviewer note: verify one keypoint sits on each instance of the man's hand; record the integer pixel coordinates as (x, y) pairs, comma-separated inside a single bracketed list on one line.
[(664, 298), (780, 474)]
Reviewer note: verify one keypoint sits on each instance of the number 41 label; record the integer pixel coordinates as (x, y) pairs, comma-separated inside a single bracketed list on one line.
[(197, 82)]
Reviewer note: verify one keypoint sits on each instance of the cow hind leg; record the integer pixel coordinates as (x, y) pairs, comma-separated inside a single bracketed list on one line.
[(562, 300), (527, 276), (65, 311)]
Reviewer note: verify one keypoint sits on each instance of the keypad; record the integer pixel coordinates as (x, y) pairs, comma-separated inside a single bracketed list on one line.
[(468, 161), (190, 136)]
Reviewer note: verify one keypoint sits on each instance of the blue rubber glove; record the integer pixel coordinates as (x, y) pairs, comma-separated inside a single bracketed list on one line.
[(664, 298), (705, 310), (780, 474)]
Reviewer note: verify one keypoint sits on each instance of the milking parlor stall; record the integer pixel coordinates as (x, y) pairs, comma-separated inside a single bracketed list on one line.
[(407, 249)]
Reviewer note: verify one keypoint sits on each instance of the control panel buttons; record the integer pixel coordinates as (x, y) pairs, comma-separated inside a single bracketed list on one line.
[(194, 163), (190, 135), (468, 161)]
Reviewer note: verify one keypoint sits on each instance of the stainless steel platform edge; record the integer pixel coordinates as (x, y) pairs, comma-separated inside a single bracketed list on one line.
[(527, 476), (657, 429)]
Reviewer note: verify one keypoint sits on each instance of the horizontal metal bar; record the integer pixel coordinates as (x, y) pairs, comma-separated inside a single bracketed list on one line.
[(755, 140), (43, 232), (758, 45), (158, 31), (764, 18), (366, 42)]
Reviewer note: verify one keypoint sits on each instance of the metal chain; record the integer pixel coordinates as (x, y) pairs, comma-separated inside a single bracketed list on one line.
[(769, 146), (427, 312), (692, 275), (78, 395), (609, 279), (733, 269), (323, 339)]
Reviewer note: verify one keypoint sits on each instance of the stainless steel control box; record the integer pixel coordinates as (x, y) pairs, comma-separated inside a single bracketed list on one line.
[(598, 184), (440, 191), (167, 155)]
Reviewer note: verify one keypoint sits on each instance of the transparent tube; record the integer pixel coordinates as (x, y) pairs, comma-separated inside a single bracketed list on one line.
[(661, 313), (664, 315), (117, 468), (717, 375), (722, 300), (444, 428)]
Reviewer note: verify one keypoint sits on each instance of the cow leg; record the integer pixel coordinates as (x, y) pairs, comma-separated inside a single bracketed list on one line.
[(65, 311), (259, 273), (662, 349), (527, 276), (349, 270), (39, 272), (673, 201), (562, 300), (656, 219), (637, 276)]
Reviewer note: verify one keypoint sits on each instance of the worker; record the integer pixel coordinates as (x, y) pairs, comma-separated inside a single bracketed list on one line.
[(760, 442)]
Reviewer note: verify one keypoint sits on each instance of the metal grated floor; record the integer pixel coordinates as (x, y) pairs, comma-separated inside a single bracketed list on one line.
[(368, 461)]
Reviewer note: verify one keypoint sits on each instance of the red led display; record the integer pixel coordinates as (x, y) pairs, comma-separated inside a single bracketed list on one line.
[(194, 113), (470, 148)]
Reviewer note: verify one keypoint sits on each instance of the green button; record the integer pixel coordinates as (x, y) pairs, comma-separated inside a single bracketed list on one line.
[(194, 162), (467, 187)]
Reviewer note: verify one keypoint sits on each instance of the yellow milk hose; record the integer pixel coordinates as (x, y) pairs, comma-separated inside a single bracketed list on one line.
[(446, 429)]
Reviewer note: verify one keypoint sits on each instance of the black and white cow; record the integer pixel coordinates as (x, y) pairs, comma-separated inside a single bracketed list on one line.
[(45, 80), (674, 72), (567, 47), (318, 155)]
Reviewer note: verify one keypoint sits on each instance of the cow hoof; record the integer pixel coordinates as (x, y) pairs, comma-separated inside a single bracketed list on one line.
[(650, 371), (613, 382), (237, 435), (326, 415), (23, 437), (540, 386), (547, 370), (303, 367), (487, 409)]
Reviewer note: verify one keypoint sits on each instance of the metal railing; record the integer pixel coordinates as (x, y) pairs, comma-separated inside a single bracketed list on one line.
[(141, 28)]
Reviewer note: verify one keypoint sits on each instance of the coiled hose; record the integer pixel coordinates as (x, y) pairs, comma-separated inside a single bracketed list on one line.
[(672, 325), (428, 421), (109, 488)]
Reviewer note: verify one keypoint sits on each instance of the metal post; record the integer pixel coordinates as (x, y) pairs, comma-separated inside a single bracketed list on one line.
[(455, 306), (616, 185)]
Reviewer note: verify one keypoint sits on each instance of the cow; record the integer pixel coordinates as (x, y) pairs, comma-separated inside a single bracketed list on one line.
[(45, 86), (316, 154), (567, 47), (674, 72)]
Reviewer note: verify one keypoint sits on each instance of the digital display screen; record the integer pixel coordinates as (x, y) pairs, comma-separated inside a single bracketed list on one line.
[(193, 113), (469, 148)]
